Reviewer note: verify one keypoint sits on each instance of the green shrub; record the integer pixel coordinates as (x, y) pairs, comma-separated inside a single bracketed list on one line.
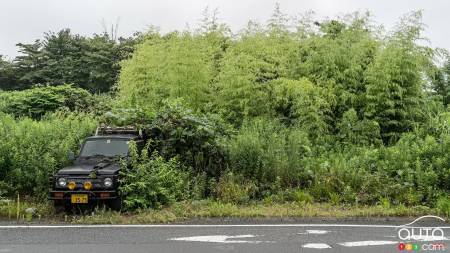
[(301, 196), (38, 101), (31, 151), (335, 199), (152, 182), (289, 195), (443, 206), (264, 150), (414, 171), (232, 188), (199, 186), (385, 203), (195, 139), (218, 209), (257, 151), (354, 131), (303, 104), (347, 173)]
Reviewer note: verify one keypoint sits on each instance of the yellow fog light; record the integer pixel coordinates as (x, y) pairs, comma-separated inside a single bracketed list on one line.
[(71, 185), (87, 185)]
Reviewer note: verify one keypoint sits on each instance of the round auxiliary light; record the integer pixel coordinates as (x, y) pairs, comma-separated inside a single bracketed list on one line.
[(87, 185), (62, 181), (71, 185), (108, 182)]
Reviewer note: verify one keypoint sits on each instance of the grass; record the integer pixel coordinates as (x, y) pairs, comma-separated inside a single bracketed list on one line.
[(15, 209), (185, 211)]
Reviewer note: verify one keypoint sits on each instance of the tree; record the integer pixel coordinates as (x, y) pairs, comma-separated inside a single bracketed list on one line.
[(29, 64), (101, 60), (278, 22), (8, 78), (178, 65), (127, 45), (301, 104), (336, 58), (91, 63), (247, 69), (441, 83), (395, 82), (62, 52), (445, 89)]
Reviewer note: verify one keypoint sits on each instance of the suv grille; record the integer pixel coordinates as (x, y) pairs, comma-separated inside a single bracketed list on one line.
[(96, 183)]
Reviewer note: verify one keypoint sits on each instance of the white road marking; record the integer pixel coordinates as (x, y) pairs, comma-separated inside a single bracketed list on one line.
[(316, 246), (366, 243), (315, 232), (202, 226), (216, 239)]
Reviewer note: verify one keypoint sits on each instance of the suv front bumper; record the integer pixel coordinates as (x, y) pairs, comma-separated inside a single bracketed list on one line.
[(92, 195)]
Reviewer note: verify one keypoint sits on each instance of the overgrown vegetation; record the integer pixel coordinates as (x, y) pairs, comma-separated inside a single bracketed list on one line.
[(36, 102), (336, 111), (151, 182), (334, 108), (31, 151)]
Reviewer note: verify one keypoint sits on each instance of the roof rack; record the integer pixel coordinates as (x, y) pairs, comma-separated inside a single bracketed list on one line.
[(105, 130)]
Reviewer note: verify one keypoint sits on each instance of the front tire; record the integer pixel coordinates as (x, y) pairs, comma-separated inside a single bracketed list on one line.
[(116, 204), (61, 206)]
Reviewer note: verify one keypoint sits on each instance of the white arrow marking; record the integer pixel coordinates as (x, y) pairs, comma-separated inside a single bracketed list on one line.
[(366, 243), (216, 238), (316, 246)]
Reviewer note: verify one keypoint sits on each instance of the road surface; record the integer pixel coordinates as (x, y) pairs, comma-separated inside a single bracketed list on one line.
[(257, 238)]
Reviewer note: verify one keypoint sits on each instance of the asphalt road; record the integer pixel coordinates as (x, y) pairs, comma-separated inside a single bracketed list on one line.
[(258, 238)]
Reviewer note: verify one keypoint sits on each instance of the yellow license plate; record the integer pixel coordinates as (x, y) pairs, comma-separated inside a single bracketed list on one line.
[(79, 198)]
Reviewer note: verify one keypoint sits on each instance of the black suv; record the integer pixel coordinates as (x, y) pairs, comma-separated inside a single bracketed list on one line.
[(93, 178)]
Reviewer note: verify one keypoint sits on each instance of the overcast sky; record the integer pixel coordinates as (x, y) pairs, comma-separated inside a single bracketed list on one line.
[(26, 20)]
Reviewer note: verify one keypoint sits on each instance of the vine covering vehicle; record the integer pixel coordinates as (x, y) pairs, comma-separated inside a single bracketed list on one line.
[(94, 176)]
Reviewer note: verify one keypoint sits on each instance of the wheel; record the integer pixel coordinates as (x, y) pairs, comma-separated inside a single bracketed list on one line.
[(68, 208), (58, 206), (116, 204), (62, 206)]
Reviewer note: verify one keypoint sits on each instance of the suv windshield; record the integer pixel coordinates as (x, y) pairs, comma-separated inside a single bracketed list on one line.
[(105, 147)]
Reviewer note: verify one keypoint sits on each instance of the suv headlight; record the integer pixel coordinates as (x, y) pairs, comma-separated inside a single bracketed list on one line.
[(62, 182), (108, 182)]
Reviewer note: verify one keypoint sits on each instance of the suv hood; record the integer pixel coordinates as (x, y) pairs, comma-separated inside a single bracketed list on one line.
[(103, 168)]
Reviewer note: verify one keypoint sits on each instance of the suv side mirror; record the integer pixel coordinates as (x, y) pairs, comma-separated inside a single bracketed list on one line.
[(71, 155)]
